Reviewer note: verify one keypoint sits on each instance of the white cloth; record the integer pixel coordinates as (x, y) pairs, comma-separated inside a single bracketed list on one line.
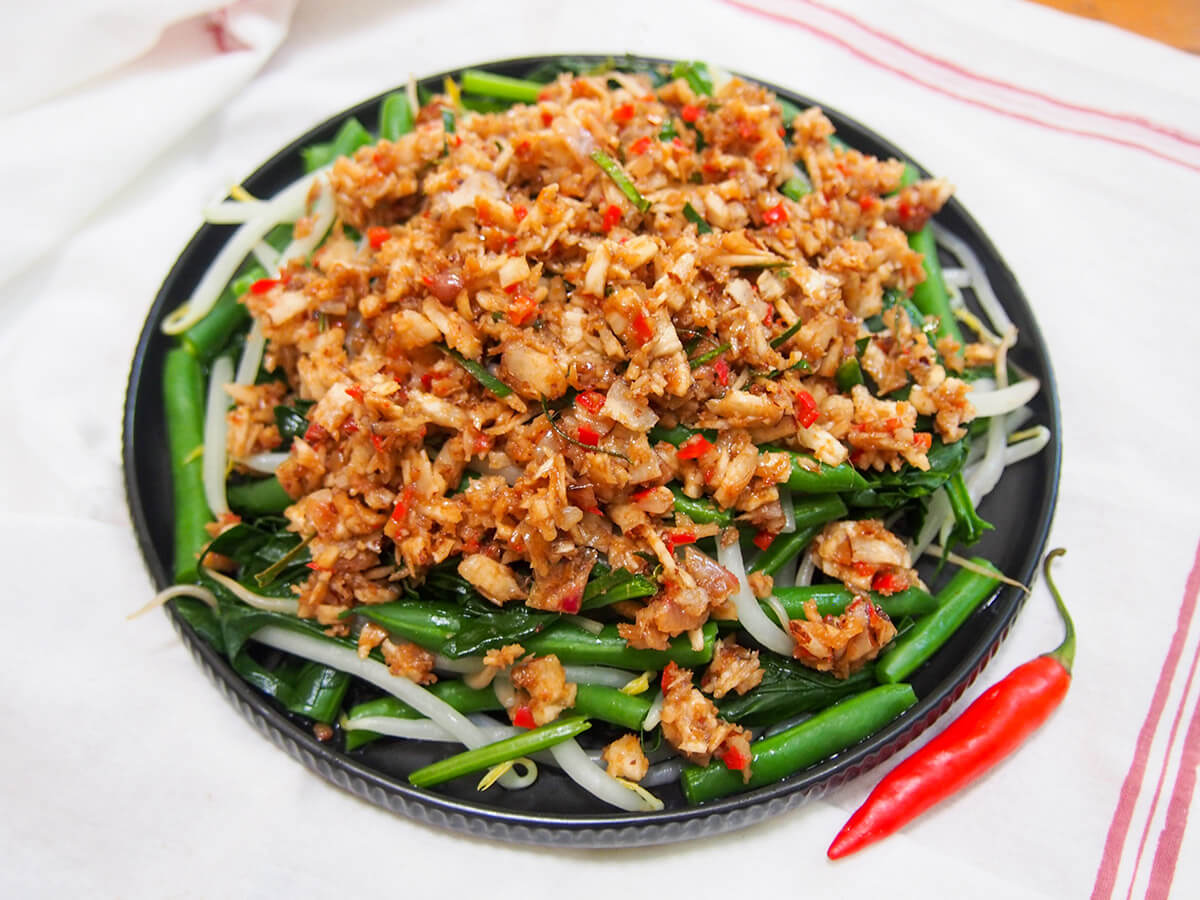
[(1075, 145)]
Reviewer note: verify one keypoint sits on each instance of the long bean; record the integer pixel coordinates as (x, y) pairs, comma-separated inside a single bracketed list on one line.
[(610, 705), (501, 751), (183, 399), (395, 116), (574, 646), (930, 295), (700, 510), (208, 336), (261, 497), (828, 732), (476, 81), (811, 477), (956, 601), (784, 548), (832, 600)]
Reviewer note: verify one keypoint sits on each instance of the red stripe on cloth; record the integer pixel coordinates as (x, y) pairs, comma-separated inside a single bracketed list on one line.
[(1162, 775), (1118, 829), (1170, 840), (971, 101), (951, 66)]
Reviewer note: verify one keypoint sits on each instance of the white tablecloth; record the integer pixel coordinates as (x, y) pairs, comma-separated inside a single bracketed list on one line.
[(1076, 146)]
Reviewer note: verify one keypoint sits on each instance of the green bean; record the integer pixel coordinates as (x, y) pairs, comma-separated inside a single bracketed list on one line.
[(829, 731), (206, 338), (796, 187), (610, 705), (183, 398), (476, 81), (574, 646), (811, 477), (832, 600), (701, 511), (785, 547), (501, 751), (818, 511), (956, 601), (349, 138), (261, 497), (429, 624), (395, 116), (678, 434), (930, 295)]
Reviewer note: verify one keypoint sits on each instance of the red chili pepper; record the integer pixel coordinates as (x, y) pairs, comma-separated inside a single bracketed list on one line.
[(355, 391), (315, 434), (678, 538), (735, 759), (639, 496), (263, 285), (623, 113), (923, 439), (349, 427), (694, 447), (571, 603), (643, 328), (988, 730), (776, 215), (669, 674), (377, 236), (400, 512), (721, 368), (378, 442), (746, 130), (588, 435), (520, 212), (612, 217), (547, 117), (523, 717), (763, 540), (887, 583), (690, 113), (806, 409), (522, 309), (592, 401), (640, 146)]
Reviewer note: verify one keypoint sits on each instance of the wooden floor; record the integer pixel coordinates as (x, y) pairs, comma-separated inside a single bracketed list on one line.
[(1174, 22)]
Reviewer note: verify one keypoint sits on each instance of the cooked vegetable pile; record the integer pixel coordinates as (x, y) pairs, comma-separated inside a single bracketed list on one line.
[(592, 406)]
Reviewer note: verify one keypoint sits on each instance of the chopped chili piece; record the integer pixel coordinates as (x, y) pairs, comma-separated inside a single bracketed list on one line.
[(592, 401), (679, 537), (523, 717), (776, 215), (690, 113), (571, 603), (923, 439), (378, 442), (643, 494), (522, 309), (806, 409), (887, 583), (721, 368), (263, 285), (355, 391), (377, 236), (735, 759), (349, 427), (520, 212), (746, 130), (669, 674), (315, 434), (640, 146), (547, 117), (863, 568), (612, 217), (400, 511), (588, 435), (694, 447), (763, 540), (643, 328), (623, 113)]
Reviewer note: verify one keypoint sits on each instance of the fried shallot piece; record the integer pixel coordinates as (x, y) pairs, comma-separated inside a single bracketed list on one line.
[(542, 686), (691, 725), (841, 644), (733, 668), (625, 758)]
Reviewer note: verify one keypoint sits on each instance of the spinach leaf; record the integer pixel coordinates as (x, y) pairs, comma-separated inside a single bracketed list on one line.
[(789, 689)]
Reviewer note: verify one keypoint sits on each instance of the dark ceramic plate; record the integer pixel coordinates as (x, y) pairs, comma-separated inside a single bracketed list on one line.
[(554, 811)]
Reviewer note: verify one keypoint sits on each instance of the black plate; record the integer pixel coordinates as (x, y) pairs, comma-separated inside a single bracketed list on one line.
[(554, 811)]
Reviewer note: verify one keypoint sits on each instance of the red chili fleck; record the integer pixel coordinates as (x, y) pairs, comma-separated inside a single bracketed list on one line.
[(523, 717), (456, 140), (643, 327), (763, 540), (520, 212), (481, 445), (923, 439), (349, 427), (677, 141), (571, 603), (428, 378), (623, 113), (263, 285), (315, 434), (806, 409), (721, 368), (592, 401), (694, 447), (378, 442), (746, 130), (383, 162), (887, 583), (355, 391), (776, 215), (990, 729), (892, 424), (669, 674), (612, 217), (316, 567), (865, 202), (690, 113), (545, 93), (427, 280), (588, 435), (639, 496), (678, 538), (595, 510), (547, 117), (640, 146), (522, 309), (400, 512), (863, 569), (769, 316), (511, 242), (377, 236), (735, 759)]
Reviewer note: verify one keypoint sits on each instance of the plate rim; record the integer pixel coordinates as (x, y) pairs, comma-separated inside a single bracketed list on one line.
[(608, 830)]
